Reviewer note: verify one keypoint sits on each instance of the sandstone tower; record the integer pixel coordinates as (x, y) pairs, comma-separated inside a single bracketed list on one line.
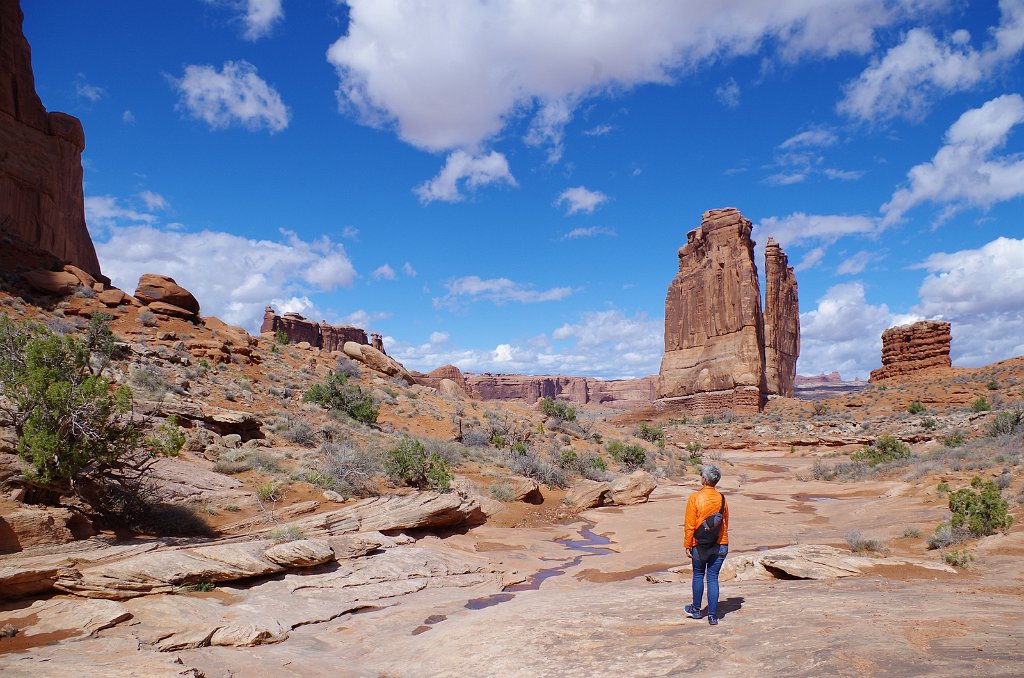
[(721, 352)]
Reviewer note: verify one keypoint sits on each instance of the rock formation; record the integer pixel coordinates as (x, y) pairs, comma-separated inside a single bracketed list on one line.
[(162, 295), (41, 198), (450, 373), (322, 335), (911, 348), (579, 390), (715, 334), (781, 321)]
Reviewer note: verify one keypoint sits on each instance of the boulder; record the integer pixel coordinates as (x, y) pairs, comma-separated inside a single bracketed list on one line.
[(300, 553), (28, 526), (811, 561), (632, 489), (377, 361), (84, 277), (52, 282), (524, 489), (162, 308), (112, 297), (163, 289), (585, 494)]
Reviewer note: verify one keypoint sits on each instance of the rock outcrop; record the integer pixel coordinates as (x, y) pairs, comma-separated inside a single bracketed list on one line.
[(41, 197), (434, 378), (912, 348), (580, 390), (319, 335), (715, 335), (781, 321), (163, 295)]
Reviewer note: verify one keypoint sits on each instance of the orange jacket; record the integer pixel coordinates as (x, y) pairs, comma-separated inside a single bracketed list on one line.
[(699, 506)]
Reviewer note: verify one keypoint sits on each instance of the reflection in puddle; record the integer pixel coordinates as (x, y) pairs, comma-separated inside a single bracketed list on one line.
[(487, 601)]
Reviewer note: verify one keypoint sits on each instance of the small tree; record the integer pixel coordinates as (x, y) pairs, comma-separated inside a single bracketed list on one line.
[(410, 464), (982, 513), (558, 409), (338, 394), (884, 450)]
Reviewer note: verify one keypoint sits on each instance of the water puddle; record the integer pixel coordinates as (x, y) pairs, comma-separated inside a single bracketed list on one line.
[(808, 497), (425, 626)]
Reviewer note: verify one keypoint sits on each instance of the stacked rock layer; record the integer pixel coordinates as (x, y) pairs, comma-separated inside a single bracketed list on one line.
[(322, 335), (912, 348)]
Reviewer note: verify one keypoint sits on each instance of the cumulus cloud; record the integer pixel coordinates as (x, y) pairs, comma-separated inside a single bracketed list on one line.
[(496, 290), (260, 17), (923, 68), (818, 231), (233, 277), (580, 200), (728, 93), (235, 94), (981, 292), (453, 75), (154, 201), (605, 344), (588, 232), (964, 171), (469, 171), (104, 211), (844, 332), (383, 272)]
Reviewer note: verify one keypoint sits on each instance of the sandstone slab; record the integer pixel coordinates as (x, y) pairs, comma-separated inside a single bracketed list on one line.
[(634, 488)]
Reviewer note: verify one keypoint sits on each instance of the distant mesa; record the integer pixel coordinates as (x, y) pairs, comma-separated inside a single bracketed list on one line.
[(42, 207), (579, 390), (818, 379), (721, 352), (910, 349), (318, 335)]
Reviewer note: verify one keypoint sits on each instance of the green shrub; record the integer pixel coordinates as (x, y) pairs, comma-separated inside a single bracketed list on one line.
[(558, 409), (942, 488), (946, 535), (75, 433), (981, 513), (928, 423), (820, 408), (1007, 423), (267, 492), (280, 337), (567, 458), (915, 407), (993, 384), (981, 404), (409, 463), (654, 434), (168, 439), (954, 439), (337, 394), (961, 559), (884, 450)]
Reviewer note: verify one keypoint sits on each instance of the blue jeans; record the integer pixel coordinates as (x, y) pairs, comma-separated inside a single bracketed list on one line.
[(712, 568)]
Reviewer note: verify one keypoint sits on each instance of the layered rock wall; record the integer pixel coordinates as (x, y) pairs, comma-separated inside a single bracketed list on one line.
[(319, 335), (41, 198), (579, 390), (781, 321), (721, 351), (907, 349)]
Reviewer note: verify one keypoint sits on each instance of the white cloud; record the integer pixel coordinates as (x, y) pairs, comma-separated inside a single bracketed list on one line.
[(260, 17), (811, 258), (588, 232), (800, 228), (981, 293), (88, 91), (843, 175), (104, 211), (128, 117), (408, 270), (857, 263), (453, 75), (496, 290), (154, 201), (383, 272), (581, 200), (235, 94), (844, 332), (598, 130), (728, 93), (964, 171), (363, 319), (606, 345), (923, 68), (813, 138), (350, 233), (472, 171), (232, 277), (785, 179)]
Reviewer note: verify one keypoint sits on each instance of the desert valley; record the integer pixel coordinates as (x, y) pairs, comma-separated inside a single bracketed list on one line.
[(182, 497)]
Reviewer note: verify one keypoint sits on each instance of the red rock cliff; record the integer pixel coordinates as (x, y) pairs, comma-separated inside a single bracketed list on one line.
[(580, 390), (911, 348), (322, 335), (41, 199), (781, 321), (714, 341)]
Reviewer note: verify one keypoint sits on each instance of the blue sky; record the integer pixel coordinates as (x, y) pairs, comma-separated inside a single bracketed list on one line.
[(504, 186)]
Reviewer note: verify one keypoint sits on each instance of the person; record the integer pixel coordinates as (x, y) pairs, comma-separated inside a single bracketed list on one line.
[(699, 506)]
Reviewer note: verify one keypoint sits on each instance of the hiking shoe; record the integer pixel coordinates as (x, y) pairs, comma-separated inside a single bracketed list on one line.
[(691, 612), (713, 619)]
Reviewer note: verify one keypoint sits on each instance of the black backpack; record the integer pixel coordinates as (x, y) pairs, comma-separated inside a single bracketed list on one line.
[(709, 531)]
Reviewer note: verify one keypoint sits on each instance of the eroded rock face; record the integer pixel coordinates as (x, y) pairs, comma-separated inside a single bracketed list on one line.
[(911, 348), (781, 321), (41, 198), (580, 390), (717, 342), (318, 335), (451, 373)]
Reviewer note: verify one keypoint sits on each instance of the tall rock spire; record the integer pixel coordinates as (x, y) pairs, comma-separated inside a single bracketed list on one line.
[(781, 321)]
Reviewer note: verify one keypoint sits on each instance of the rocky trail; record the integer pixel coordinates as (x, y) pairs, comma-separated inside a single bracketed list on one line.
[(603, 594)]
